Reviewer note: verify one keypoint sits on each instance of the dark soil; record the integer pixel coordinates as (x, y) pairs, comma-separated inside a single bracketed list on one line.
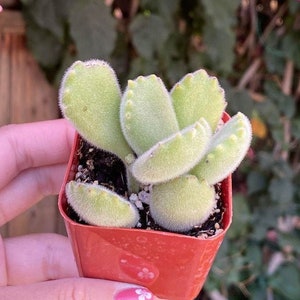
[(95, 165)]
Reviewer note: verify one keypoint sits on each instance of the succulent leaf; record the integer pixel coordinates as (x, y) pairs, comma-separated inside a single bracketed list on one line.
[(147, 115), (99, 206), (226, 151), (173, 156), (198, 95), (182, 203), (90, 98)]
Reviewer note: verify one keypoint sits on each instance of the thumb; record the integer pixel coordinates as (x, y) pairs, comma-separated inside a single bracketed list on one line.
[(76, 288)]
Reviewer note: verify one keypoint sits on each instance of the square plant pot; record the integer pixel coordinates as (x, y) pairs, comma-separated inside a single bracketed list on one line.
[(172, 266)]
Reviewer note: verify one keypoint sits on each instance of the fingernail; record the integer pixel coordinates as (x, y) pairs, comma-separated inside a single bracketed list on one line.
[(134, 294)]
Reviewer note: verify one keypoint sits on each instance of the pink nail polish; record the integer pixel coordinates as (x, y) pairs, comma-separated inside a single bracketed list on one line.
[(134, 294)]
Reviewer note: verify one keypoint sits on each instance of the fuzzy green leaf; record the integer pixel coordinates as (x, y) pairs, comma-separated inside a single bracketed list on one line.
[(198, 95), (90, 98), (146, 113), (173, 156), (182, 203), (226, 151), (99, 206)]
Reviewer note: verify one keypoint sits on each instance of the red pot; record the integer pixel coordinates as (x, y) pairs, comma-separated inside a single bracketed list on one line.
[(172, 266)]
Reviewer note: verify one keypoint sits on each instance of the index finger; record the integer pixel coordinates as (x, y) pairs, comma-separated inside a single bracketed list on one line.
[(32, 145)]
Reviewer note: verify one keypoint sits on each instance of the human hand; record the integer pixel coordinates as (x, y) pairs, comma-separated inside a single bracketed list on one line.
[(42, 266)]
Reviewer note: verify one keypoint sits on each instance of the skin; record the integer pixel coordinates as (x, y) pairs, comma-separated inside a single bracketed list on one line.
[(39, 266)]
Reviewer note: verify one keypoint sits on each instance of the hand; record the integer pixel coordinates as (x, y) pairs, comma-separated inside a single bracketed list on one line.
[(41, 266)]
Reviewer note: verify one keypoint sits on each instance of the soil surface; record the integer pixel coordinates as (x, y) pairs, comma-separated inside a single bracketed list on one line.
[(97, 166)]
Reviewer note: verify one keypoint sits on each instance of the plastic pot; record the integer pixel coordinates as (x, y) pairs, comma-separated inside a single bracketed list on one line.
[(172, 266)]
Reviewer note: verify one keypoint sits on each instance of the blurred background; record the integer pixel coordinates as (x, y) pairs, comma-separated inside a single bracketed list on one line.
[(252, 46)]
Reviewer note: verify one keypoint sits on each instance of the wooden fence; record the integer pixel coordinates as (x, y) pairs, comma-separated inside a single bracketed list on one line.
[(25, 96)]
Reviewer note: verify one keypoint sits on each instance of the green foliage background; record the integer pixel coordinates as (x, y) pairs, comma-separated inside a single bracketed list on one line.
[(254, 48)]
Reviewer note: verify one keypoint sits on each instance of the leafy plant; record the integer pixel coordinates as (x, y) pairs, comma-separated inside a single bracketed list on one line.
[(169, 141)]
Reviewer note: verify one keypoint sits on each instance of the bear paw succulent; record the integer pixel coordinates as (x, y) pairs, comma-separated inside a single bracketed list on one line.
[(173, 141)]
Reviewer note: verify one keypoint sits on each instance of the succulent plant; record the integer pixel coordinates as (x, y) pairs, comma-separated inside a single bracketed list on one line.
[(173, 142)]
